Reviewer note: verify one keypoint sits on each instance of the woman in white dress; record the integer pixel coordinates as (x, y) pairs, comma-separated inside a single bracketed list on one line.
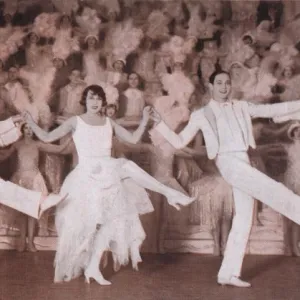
[(105, 195)]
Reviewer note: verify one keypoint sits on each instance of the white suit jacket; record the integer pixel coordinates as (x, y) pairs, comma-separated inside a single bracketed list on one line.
[(9, 133), (204, 119)]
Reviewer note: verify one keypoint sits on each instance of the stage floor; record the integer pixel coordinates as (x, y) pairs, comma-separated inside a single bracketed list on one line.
[(161, 277)]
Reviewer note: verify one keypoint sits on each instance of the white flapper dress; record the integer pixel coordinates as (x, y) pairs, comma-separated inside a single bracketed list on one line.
[(101, 199)]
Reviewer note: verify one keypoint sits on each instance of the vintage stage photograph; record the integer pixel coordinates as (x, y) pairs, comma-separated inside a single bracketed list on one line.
[(148, 149)]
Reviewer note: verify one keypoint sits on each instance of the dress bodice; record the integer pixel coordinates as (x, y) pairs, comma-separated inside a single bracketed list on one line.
[(93, 141)]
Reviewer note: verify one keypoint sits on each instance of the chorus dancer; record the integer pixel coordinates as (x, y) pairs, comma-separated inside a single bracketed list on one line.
[(31, 203), (104, 205), (28, 175), (227, 129)]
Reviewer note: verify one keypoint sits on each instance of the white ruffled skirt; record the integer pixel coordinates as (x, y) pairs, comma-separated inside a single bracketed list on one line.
[(101, 200)]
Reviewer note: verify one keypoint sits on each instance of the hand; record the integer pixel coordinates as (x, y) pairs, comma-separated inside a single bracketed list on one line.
[(17, 118), (176, 201), (60, 119), (146, 113), (27, 117), (155, 116)]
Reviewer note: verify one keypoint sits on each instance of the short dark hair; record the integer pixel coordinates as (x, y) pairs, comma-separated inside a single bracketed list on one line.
[(247, 36), (112, 105), (22, 129), (213, 76), (96, 90)]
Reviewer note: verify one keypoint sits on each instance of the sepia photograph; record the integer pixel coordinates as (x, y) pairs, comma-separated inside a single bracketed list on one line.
[(148, 149)]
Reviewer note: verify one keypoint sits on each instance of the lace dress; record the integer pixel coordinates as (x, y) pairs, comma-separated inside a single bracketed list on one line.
[(100, 198)]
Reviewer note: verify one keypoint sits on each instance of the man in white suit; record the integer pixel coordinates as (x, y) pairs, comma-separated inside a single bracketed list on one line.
[(227, 129), (29, 202)]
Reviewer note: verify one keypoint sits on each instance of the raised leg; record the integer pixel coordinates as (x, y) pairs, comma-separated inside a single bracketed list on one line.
[(259, 186), (132, 170)]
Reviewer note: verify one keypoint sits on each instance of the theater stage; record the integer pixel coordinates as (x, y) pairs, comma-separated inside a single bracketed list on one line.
[(28, 276)]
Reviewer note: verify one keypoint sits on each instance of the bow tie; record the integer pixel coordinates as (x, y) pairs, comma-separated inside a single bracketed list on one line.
[(224, 104)]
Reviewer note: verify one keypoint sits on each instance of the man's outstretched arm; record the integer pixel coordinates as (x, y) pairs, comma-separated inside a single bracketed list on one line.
[(279, 112)]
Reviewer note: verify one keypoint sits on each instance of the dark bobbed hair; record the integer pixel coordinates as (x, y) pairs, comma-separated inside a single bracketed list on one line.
[(247, 36), (22, 129), (95, 89), (112, 105), (213, 76), (141, 84)]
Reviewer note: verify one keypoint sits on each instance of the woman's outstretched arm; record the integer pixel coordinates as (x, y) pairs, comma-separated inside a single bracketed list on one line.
[(7, 152), (54, 135), (66, 148), (132, 137)]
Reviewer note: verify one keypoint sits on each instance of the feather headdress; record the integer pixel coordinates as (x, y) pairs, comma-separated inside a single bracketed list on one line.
[(178, 48), (62, 48), (66, 6), (107, 7), (12, 44), (89, 22), (10, 7), (238, 50), (45, 25), (173, 9), (243, 11), (285, 50), (178, 85), (290, 132), (157, 25), (198, 27), (125, 39)]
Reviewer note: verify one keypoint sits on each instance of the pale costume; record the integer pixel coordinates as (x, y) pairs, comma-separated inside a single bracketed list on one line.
[(17, 99), (135, 103), (199, 27), (227, 130), (69, 103), (102, 202), (90, 23), (244, 81), (292, 88), (244, 14), (11, 195), (124, 39), (92, 68), (40, 87)]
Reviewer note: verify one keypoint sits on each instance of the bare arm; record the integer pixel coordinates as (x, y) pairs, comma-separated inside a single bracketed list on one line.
[(66, 148), (127, 136), (182, 139), (132, 137), (127, 147), (6, 153), (190, 152), (54, 135), (279, 111)]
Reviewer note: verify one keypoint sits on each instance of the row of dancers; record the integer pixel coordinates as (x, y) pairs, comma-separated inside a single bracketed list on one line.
[(107, 203)]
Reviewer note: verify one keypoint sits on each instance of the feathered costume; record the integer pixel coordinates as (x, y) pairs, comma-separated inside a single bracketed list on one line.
[(90, 23)]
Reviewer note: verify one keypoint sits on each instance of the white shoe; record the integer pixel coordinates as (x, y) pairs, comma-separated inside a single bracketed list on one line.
[(96, 275), (175, 200), (234, 281)]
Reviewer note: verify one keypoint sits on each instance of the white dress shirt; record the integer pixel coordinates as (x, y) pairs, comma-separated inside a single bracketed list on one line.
[(230, 134)]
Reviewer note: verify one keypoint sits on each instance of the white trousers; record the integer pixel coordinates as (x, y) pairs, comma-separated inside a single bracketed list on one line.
[(248, 184), (19, 198)]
